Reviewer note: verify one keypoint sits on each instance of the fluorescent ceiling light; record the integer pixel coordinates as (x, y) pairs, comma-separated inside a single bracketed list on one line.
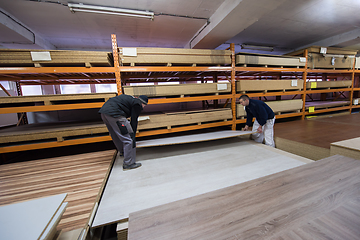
[(255, 47), (74, 7)]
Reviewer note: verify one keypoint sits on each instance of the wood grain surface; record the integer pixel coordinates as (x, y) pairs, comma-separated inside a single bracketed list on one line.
[(80, 176), (319, 200)]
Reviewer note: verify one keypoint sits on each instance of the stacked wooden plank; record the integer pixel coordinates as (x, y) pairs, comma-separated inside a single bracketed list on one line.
[(178, 89), (329, 57), (325, 104), (169, 120), (319, 200), (329, 84), (57, 131), (244, 86), (278, 107), (38, 58), (169, 56), (348, 148), (55, 99), (269, 60), (39, 218)]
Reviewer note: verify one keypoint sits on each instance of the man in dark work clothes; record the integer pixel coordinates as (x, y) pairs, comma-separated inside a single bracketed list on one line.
[(114, 113)]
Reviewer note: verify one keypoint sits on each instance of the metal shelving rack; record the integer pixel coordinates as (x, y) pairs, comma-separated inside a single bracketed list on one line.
[(85, 75)]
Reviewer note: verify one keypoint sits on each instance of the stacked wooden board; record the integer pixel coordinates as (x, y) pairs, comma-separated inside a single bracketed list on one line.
[(33, 219), (269, 60), (348, 148), (325, 104), (38, 58), (329, 57), (169, 120), (279, 107), (319, 200), (17, 101), (178, 89), (244, 86), (329, 84), (170, 56)]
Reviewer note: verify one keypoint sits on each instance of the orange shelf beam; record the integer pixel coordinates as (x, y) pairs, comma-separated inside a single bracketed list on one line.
[(12, 70)]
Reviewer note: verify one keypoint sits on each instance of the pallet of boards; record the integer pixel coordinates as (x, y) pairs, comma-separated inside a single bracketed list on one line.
[(39, 58), (244, 86), (269, 60), (329, 84), (178, 89), (325, 104), (169, 120), (55, 99), (278, 107), (169, 56), (329, 57), (56, 132)]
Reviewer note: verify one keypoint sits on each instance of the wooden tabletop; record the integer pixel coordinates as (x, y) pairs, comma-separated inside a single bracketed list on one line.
[(319, 200)]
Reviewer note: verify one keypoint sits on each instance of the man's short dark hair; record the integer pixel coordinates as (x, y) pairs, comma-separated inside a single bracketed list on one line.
[(244, 97)]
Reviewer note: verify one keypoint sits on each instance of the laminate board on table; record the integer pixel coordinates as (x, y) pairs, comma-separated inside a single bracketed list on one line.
[(319, 200), (170, 173), (348, 148), (81, 176), (29, 219)]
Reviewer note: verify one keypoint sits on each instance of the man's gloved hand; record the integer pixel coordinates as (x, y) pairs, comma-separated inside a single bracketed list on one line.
[(132, 135)]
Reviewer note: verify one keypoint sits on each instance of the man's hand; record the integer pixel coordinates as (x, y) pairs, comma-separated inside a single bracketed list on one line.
[(246, 128), (259, 130)]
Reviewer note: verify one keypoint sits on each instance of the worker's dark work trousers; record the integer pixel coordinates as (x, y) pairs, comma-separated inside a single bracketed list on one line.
[(123, 142)]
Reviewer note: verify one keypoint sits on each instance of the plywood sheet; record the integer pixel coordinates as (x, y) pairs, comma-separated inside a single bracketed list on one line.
[(268, 85), (51, 99), (316, 60), (202, 137), (176, 172), (177, 55), (276, 106), (182, 118), (270, 60), (319, 200), (178, 89), (325, 104), (329, 84), (349, 148), (31, 216), (22, 56)]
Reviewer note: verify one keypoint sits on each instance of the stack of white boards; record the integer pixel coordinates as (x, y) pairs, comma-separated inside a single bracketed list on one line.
[(34, 219)]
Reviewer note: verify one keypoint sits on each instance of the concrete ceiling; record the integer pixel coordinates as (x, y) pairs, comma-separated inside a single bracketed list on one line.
[(285, 25)]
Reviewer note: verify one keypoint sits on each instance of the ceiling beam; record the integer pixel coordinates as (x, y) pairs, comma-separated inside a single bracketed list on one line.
[(340, 40), (231, 18), (16, 35)]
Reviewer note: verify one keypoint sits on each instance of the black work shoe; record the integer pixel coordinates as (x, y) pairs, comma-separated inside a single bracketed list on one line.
[(131, 166)]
